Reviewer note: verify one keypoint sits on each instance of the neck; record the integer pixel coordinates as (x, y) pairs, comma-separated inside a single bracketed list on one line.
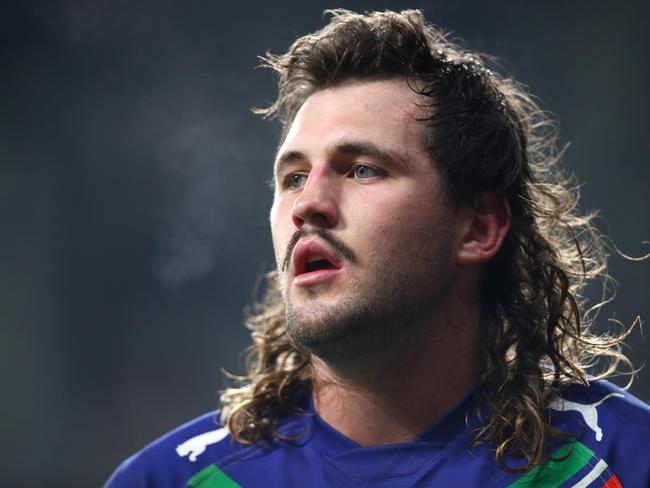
[(394, 396)]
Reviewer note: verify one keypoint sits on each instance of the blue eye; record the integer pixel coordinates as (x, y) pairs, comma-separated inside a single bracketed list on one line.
[(363, 172), (296, 180)]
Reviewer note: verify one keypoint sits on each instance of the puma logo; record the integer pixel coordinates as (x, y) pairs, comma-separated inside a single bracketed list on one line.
[(196, 446), (588, 411)]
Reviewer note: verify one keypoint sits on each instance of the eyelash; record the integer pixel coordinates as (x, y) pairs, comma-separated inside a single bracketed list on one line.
[(286, 181), (377, 171)]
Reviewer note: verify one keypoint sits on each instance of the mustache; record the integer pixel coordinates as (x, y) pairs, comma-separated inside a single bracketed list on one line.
[(324, 234)]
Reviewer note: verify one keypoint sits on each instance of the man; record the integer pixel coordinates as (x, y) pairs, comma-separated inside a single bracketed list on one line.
[(423, 327)]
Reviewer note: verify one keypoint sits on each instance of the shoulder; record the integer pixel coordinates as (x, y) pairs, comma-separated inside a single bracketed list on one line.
[(175, 458), (611, 404), (611, 427)]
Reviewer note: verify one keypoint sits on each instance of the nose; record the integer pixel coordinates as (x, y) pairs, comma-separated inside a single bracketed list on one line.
[(317, 202)]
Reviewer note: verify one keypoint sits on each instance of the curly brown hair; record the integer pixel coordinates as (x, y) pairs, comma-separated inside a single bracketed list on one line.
[(486, 133)]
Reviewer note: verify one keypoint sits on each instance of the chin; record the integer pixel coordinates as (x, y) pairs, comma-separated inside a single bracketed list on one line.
[(347, 331)]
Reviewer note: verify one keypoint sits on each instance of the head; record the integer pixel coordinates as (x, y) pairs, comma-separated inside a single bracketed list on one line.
[(397, 143), (369, 240)]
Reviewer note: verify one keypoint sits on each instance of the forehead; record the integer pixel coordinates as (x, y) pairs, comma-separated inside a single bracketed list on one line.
[(384, 113)]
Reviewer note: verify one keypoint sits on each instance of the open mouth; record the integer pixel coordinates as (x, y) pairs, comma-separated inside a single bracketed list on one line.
[(310, 257), (318, 264)]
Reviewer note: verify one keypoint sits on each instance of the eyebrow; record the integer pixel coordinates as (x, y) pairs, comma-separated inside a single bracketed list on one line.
[(289, 157), (353, 148)]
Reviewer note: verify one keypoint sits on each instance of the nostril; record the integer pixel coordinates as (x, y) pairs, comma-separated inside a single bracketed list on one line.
[(316, 215), (319, 217), (297, 221)]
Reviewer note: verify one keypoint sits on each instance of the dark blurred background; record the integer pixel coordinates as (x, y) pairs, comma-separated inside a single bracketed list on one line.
[(134, 205)]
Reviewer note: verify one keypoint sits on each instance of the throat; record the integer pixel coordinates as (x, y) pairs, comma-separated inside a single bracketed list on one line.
[(394, 406)]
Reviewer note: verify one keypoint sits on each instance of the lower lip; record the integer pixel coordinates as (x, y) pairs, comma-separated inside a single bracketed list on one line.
[(314, 277)]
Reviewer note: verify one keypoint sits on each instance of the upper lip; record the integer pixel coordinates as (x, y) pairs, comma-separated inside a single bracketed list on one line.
[(311, 250)]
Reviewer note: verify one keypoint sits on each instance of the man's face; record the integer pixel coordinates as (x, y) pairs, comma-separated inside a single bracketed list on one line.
[(363, 229)]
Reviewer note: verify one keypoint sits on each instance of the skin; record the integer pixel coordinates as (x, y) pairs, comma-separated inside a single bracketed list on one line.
[(390, 207)]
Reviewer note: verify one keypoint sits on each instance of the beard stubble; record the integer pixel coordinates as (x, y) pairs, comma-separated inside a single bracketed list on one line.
[(392, 308)]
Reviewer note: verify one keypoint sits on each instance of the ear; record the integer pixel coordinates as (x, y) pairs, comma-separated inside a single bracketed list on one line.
[(484, 226)]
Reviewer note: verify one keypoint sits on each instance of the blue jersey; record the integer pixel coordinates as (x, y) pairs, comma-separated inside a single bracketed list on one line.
[(610, 448)]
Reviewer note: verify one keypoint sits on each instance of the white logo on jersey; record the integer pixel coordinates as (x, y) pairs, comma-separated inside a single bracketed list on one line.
[(197, 445), (588, 411)]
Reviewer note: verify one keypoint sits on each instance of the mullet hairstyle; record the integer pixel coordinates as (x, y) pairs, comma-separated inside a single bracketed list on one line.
[(485, 134)]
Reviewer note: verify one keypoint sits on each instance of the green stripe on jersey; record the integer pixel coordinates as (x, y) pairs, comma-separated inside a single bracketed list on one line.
[(211, 477), (554, 473)]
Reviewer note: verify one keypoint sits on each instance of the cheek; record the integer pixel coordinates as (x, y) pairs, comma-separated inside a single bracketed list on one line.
[(281, 222), (410, 226), (386, 226), (402, 215)]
